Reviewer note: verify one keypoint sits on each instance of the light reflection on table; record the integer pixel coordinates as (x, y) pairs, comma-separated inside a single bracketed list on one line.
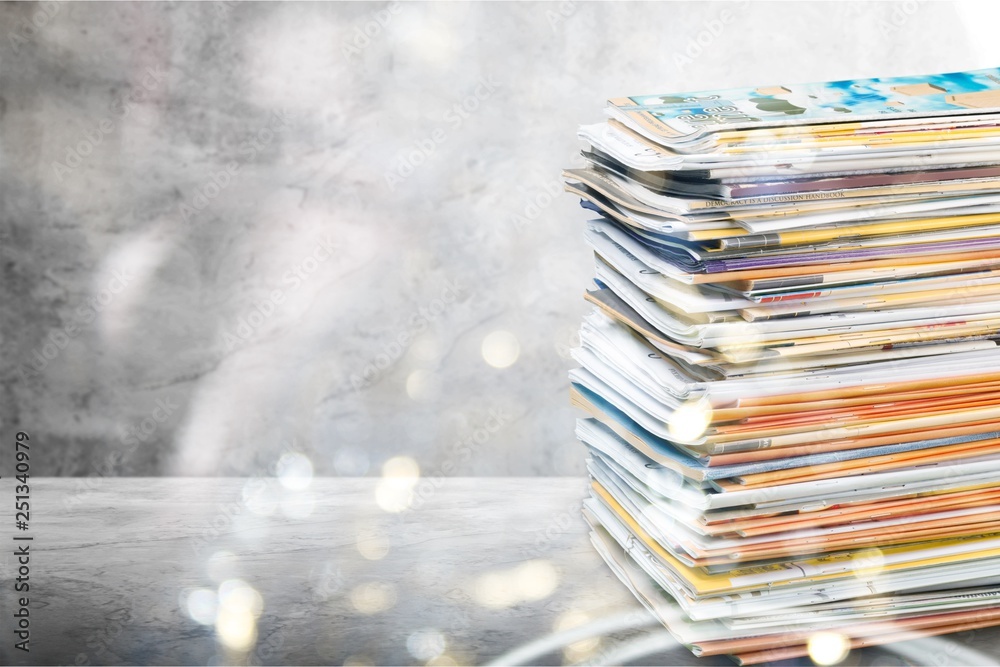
[(336, 571)]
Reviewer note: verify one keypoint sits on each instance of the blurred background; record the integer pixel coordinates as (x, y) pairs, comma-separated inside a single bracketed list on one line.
[(233, 232)]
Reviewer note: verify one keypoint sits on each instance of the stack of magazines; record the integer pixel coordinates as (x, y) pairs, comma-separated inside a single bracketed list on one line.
[(791, 375)]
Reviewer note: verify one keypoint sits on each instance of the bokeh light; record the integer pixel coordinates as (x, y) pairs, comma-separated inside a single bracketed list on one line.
[(294, 471), (358, 661), (373, 597), (236, 629), (536, 580), (501, 349), (240, 605), (528, 582), (260, 496), (236, 594), (201, 605), (688, 422), (394, 492), (372, 544), (868, 563), (426, 644), (583, 649), (422, 385), (828, 648), (401, 467)]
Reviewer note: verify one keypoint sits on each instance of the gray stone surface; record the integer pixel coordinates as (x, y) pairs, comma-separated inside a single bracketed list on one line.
[(168, 169), (477, 568), (113, 562)]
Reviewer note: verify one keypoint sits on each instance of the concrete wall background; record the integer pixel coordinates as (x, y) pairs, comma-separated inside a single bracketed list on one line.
[(208, 229)]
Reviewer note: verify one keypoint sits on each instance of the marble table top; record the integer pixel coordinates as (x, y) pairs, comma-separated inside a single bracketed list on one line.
[(238, 571)]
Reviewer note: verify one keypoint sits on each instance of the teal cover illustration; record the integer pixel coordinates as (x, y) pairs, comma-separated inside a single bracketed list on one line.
[(840, 101)]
